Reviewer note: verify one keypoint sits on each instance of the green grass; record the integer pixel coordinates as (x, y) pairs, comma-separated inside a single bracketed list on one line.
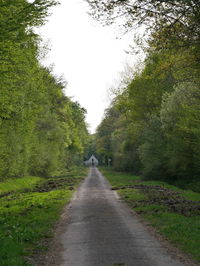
[(182, 231), (190, 195), (131, 194), (118, 179), (28, 216), (18, 184)]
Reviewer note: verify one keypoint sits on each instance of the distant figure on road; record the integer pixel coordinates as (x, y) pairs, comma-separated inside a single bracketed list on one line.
[(92, 161)]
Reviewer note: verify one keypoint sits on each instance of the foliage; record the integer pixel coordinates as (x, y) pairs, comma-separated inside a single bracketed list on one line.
[(156, 133), (153, 157), (103, 135), (177, 21), (41, 130), (180, 117), (137, 106), (90, 148)]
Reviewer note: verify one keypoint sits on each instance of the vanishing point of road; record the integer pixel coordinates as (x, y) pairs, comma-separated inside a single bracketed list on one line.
[(103, 231)]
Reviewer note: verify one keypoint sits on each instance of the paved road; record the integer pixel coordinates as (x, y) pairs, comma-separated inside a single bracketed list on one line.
[(102, 231)]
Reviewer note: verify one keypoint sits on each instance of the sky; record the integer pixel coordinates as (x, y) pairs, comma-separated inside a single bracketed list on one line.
[(89, 56)]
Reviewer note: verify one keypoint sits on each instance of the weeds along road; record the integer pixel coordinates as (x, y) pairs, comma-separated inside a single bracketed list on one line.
[(102, 231)]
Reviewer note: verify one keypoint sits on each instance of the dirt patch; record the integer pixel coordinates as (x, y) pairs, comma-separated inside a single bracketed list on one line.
[(56, 183), (49, 185), (173, 200)]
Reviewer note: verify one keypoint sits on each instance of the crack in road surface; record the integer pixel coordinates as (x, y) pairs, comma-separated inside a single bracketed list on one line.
[(103, 231)]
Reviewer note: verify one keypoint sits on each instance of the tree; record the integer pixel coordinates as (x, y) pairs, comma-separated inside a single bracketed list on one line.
[(41, 130), (155, 14), (152, 150), (90, 148), (180, 121), (168, 24), (104, 133)]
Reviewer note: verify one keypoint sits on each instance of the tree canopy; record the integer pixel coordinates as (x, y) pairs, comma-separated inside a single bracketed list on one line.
[(156, 133), (41, 130)]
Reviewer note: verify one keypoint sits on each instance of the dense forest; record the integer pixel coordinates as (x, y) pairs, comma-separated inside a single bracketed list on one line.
[(152, 126), (42, 130)]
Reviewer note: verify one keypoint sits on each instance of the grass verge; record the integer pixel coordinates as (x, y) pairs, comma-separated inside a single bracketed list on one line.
[(174, 212), (29, 207)]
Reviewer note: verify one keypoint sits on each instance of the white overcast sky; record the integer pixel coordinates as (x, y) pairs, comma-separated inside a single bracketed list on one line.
[(88, 55)]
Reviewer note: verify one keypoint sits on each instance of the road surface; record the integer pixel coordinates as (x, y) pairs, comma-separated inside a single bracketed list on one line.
[(103, 231)]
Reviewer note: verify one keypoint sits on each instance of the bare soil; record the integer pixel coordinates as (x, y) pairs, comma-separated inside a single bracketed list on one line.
[(173, 200)]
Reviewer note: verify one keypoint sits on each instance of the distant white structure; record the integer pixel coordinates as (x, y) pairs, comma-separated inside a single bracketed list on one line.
[(92, 161)]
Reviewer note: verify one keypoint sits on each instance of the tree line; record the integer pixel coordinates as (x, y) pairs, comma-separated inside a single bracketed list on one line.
[(42, 131), (152, 126)]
